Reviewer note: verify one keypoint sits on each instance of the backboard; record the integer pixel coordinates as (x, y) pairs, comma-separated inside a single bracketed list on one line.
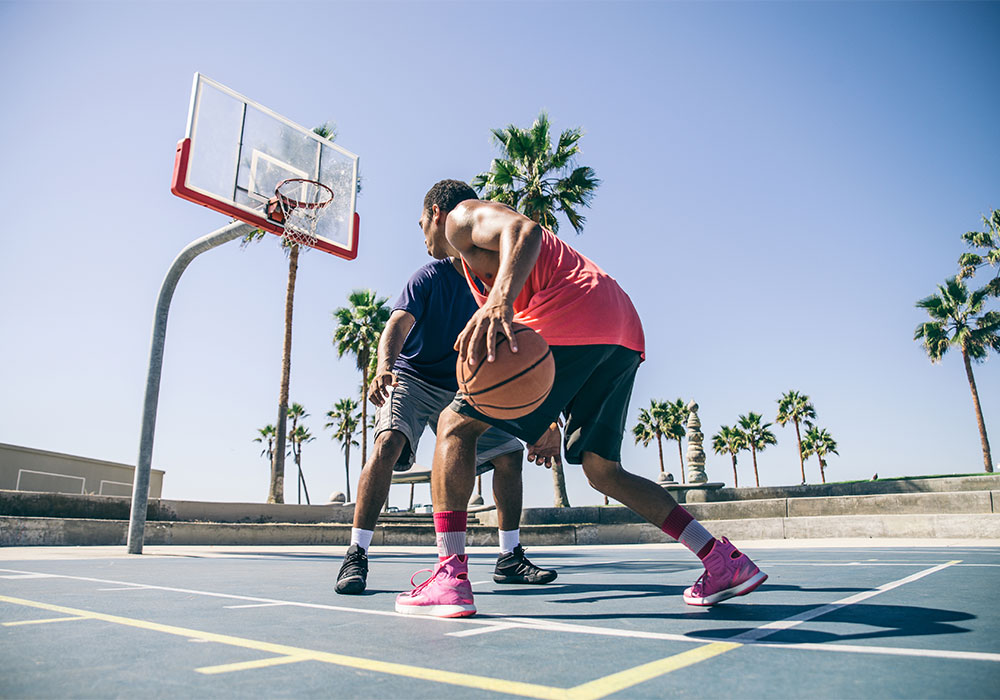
[(235, 153)]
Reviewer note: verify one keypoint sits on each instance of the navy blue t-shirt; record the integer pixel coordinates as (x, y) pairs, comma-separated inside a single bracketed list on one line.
[(439, 299)]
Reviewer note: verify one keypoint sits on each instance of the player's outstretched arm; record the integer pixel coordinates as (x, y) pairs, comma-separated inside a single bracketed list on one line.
[(505, 245), (389, 347)]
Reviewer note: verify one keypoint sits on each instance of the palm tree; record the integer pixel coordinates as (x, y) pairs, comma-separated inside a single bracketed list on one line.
[(540, 180), (674, 419), (276, 490), (958, 319), (729, 441), (359, 326), (651, 426), (296, 412), (986, 247), (298, 436), (820, 443), (756, 437), (344, 419), (796, 407), (266, 436), (536, 179)]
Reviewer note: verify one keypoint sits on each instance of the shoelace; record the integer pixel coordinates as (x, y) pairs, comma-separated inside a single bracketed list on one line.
[(432, 572)]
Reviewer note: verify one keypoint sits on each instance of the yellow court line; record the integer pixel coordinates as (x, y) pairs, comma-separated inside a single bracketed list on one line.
[(248, 665), (617, 682), (282, 653), (42, 622)]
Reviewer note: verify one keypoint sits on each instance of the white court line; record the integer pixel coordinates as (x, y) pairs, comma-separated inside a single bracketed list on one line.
[(887, 651), (752, 637), (254, 605), (23, 576), (770, 564), (125, 588), (485, 629)]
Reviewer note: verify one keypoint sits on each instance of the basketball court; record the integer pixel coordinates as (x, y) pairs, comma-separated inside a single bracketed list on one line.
[(889, 619), (863, 619)]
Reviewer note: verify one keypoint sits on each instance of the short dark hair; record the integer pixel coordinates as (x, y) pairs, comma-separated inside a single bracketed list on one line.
[(447, 194)]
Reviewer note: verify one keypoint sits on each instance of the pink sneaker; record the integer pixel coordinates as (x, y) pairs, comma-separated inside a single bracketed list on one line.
[(447, 593), (728, 573)]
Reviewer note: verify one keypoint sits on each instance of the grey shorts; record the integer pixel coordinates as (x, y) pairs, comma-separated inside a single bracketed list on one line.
[(414, 404)]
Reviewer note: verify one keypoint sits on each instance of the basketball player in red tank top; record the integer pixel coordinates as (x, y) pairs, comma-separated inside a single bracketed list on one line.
[(533, 277)]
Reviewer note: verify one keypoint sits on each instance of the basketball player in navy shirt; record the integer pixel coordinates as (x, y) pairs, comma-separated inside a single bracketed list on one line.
[(415, 381)]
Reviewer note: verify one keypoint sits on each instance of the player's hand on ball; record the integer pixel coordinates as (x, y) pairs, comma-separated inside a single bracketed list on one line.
[(546, 451), (378, 390), (488, 322)]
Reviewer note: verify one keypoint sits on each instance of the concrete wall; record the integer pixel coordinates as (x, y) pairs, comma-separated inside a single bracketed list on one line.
[(53, 505), (29, 469)]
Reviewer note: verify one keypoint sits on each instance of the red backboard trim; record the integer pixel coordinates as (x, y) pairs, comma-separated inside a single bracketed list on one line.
[(179, 187)]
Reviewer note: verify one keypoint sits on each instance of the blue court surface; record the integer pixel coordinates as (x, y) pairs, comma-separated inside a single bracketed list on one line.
[(861, 619)]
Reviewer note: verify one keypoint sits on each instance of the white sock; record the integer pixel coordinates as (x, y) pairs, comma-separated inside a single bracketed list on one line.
[(362, 538), (509, 539), (449, 543)]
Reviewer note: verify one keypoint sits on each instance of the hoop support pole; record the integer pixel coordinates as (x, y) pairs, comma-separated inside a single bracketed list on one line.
[(140, 484)]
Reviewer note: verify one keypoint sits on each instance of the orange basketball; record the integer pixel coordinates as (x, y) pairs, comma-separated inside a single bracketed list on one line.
[(515, 383)]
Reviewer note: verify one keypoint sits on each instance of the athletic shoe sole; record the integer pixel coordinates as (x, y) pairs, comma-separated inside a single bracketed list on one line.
[(437, 610), (520, 579), (742, 589), (350, 586)]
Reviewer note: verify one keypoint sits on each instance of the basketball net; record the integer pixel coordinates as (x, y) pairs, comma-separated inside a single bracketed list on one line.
[(301, 202)]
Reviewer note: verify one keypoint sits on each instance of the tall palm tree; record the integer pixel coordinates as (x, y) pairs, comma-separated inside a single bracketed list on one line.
[(985, 245), (296, 412), (651, 426), (539, 180), (298, 436), (359, 326), (729, 441), (958, 319), (276, 489), (536, 178), (756, 437), (675, 417), (344, 419), (266, 437), (796, 408), (820, 443)]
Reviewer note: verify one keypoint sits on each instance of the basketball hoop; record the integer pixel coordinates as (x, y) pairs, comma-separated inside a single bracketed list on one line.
[(297, 205)]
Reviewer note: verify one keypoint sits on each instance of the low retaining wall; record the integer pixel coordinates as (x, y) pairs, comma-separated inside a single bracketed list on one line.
[(31, 504), (85, 532)]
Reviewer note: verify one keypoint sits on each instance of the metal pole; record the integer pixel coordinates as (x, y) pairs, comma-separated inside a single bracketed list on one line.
[(140, 486)]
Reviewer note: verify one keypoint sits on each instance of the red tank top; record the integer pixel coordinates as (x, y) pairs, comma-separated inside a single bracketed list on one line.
[(569, 300)]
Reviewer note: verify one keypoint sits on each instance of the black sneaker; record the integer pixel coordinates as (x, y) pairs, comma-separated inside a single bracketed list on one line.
[(354, 573), (514, 567)]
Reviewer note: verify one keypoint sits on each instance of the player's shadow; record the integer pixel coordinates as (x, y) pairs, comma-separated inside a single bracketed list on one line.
[(566, 593), (875, 621), (860, 621)]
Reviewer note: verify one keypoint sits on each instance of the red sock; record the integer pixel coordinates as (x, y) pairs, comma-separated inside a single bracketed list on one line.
[(689, 532), (450, 526)]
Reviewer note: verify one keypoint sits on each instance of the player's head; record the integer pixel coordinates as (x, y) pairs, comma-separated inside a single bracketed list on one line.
[(439, 200)]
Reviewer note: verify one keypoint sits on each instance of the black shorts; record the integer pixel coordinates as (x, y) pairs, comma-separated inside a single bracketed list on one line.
[(592, 389)]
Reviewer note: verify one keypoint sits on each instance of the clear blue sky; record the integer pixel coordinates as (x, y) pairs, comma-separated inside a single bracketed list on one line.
[(781, 182)]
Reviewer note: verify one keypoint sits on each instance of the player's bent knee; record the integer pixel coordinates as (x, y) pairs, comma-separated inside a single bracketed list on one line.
[(389, 445), (452, 425), (601, 473)]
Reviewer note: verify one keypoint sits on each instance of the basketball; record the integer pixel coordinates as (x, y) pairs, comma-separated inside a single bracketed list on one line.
[(515, 383)]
